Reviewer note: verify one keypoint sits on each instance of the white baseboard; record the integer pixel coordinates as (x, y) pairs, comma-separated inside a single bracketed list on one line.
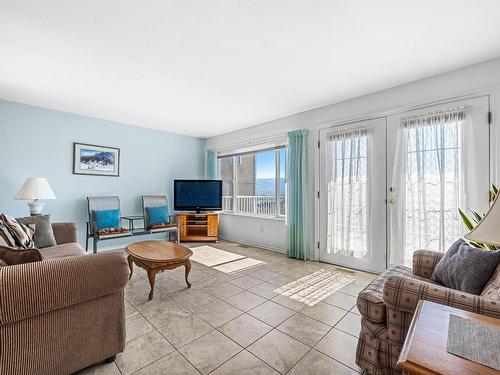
[(256, 244)]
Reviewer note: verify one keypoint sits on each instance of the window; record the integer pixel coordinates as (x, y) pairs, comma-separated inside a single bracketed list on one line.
[(254, 182)]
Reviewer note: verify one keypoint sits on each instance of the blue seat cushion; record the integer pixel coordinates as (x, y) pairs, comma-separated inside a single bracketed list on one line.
[(106, 219), (157, 215)]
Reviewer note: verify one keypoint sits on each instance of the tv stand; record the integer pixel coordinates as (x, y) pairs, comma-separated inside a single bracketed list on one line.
[(198, 226)]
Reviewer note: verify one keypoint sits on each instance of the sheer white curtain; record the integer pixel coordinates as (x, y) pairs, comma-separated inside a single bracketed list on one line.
[(348, 192), (429, 185)]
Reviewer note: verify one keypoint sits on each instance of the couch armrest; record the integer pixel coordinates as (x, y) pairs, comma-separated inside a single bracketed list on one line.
[(32, 289), (402, 294), (424, 262), (65, 232)]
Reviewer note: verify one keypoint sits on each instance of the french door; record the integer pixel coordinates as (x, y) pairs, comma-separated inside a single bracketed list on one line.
[(439, 158), (393, 185), (352, 195)]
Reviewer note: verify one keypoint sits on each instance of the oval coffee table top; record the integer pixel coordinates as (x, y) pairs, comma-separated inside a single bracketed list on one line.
[(158, 251)]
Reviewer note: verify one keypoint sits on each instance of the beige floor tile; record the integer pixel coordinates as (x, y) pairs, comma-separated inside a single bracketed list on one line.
[(344, 301), (263, 274), (282, 280), (324, 313), (304, 329), (222, 289), (245, 300), (289, 302), (172, 364), (351, 324), (352, 289), (185, 330), (169, 285), (278, 350), (136, 325), (340, 346), (355, 311), (162, 310), (244, 363), (218, 313), (194, 299), (271, 313), (142, 351), (245, 329), (210, 351), (265, 290), (316, 363), (246, 282), (100, 369)]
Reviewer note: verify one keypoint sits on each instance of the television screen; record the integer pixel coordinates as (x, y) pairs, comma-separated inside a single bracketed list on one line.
[(198, 195)]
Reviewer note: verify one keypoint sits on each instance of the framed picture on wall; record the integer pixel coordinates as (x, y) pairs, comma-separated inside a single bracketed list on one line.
[(96, 160)]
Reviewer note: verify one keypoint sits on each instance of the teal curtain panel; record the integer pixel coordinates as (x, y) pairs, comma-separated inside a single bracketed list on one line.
[(211, 165), (297, 223)]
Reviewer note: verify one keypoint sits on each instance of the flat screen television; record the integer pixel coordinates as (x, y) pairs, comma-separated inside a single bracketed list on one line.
[(198, 195)]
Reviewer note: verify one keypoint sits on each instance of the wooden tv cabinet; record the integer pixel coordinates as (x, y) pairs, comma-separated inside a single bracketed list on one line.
[(198, 227)]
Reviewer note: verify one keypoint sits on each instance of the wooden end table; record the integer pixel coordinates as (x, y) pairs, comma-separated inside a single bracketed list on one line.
[(157, 256), (424, 350)]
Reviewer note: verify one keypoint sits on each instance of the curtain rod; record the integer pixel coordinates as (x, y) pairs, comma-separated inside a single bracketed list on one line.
[(447, 112), (251, 142)]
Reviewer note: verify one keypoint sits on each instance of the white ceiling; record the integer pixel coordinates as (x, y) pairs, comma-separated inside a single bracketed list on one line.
[(205, 67)]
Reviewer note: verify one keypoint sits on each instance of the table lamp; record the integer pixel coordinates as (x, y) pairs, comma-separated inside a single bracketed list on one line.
[(487, 231), (35, 188)]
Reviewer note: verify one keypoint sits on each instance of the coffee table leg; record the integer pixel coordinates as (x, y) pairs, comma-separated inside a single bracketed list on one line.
[(187, 265), (131, 266), (151, 277)]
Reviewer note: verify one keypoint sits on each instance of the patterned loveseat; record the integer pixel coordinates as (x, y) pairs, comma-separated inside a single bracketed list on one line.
[(387, 305)]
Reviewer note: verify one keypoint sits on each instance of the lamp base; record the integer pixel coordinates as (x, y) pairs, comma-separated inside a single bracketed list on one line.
[(36, 207)]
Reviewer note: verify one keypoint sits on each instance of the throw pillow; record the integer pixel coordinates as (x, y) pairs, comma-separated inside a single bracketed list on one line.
[(5, 236), (44, 235), (466, 268), (22, 234), (157, 215), (19, 256), (104, 219)]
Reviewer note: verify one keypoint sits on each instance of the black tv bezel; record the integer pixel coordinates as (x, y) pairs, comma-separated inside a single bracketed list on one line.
[(196, 208)]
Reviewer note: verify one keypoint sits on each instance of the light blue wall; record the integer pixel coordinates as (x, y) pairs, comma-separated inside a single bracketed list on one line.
[(38, 142)]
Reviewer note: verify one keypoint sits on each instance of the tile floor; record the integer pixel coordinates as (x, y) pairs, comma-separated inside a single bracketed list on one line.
[(276, 316)]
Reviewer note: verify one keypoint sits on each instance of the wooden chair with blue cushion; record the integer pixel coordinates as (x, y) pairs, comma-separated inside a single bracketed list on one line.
[(104, 220), (156, 216)]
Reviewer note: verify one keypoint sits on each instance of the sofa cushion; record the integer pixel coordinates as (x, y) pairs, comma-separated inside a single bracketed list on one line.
[(44, 235), (63, 250), (466, 268), (492, 288), (13, 256), (23, 234), (157, 215), (370, 301)]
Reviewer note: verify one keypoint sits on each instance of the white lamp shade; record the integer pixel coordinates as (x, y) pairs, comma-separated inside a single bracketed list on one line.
[(35, 188), (488, 229)]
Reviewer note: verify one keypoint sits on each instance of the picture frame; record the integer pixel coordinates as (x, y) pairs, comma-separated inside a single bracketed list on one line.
[(95, 160)]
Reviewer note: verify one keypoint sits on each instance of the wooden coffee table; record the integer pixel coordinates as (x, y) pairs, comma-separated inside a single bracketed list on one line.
[(156, 256)]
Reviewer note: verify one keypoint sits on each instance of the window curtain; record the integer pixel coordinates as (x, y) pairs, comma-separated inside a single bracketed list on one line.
[(430, 183), (297, 223), (349, 216), (211, 167)]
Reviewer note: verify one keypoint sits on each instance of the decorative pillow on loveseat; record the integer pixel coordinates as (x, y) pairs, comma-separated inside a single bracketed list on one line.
[(22, 234), (466, 268), (13, 256), (44, 235)]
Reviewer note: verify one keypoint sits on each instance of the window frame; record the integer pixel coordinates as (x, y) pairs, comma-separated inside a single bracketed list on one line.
[(277, 181)]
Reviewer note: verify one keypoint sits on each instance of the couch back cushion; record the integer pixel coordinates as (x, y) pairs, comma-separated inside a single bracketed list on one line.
[(44, 235), (492, 288)]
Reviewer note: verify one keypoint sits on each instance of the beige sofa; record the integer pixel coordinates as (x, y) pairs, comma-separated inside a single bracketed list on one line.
[(64, 313), (388, 303)]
